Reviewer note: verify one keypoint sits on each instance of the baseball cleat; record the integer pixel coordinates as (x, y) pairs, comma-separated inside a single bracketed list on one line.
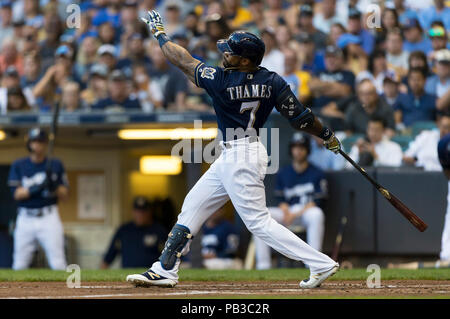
[(150, 278), (315, 280)]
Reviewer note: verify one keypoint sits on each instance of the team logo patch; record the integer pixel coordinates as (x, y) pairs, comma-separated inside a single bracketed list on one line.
[(208, 73)]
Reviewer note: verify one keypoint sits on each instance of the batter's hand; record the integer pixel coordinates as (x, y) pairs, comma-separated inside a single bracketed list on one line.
[(154, 23), (333, 144)]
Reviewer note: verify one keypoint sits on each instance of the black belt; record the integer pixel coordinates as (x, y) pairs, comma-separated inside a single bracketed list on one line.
[(38, 212), (251, 139)]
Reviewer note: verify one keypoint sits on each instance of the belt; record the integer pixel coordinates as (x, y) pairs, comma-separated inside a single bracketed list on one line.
[(251, 139), (38, 212)]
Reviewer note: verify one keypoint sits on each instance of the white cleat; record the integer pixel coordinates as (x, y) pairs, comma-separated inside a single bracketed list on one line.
[(150, 278), (315, 280)]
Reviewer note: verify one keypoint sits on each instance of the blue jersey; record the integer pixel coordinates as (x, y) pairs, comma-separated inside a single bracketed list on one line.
[(444, 151), (25, 173), (222, 240), (242, 100), (301, 188), (139, 246)]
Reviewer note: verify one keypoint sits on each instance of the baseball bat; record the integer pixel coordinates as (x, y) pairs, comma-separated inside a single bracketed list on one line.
[(397, 203), (341, 230), (52, 135)]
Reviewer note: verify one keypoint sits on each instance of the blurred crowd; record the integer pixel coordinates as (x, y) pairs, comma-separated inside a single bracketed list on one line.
[(343, 58)]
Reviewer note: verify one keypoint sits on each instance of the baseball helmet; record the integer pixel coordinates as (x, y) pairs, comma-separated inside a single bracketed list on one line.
[(36, 134), (244, 44), (301, 139)]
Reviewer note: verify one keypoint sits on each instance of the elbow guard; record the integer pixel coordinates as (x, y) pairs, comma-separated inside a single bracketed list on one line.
[(290, 107)]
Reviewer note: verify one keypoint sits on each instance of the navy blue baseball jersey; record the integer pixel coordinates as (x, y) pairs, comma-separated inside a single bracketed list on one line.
[(301, 188), (139, 246), (25, 173), (444, 151), (242, 100), (221, 240)]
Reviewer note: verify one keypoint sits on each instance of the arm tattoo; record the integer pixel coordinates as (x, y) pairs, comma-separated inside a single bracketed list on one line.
[(181, 58)]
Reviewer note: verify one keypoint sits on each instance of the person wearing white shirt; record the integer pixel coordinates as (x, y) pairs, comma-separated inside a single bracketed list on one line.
[(376, 150), (422, 152), (273, 59)]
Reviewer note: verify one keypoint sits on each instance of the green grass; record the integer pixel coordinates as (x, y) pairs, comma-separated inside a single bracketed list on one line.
[(224, 275)]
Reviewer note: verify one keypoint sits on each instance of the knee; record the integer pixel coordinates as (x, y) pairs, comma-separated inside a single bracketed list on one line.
[(260, 226)]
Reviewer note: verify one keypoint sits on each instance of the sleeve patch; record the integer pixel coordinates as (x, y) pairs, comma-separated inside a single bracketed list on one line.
[(207, 72)]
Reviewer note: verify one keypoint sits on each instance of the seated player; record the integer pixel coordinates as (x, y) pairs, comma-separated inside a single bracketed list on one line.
[(219, 243), (300, 190), (444, 158)]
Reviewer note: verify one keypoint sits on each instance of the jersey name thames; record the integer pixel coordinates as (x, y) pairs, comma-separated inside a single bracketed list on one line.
[(250, 91)]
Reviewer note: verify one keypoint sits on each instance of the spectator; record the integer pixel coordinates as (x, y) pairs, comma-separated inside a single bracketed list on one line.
[(220, 242), (97, 87), (107, 34), (53, 29), (416, 105), (148, 91), (109, 15), (191, 23), (49, 86), (326, 161), (297, 80), (171, 81), (70, 99), (300, 191), (10, 56), (274, 15), (140, 241), (439, 41), (439, 83), (414, 38), (86, 57), (10, 89), (310, 60), (328, 15), (333, 83), (107, 56), (391, 91), (305, 25), (6, 22), (396, 57), (389, 22), (172, 22), (368, 105), (235, 14), (32, 12), (354, 55), (134, 54), (29, 41), (354, 27), (32, 71), (422, 152), (375, 149), (37, 189), (439, 12), (129, 18), (336, 31), (118, 98), (16, 100), (377, 70), (273, 57)]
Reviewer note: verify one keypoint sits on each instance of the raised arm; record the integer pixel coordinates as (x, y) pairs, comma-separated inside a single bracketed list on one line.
[(175, 53)]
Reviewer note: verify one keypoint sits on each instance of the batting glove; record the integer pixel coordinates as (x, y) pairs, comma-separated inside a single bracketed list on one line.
[(154, 23), (333, 144)]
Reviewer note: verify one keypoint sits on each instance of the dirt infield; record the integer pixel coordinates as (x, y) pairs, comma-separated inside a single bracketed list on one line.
[(279, 289)]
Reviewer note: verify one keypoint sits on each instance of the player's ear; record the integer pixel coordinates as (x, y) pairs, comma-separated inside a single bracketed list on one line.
[(245, 62)]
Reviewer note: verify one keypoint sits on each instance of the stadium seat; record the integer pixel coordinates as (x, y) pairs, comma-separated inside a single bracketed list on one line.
[(421, 126), (403, 141), (348, 142)]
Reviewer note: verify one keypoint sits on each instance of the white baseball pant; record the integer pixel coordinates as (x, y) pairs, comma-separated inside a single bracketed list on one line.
[(238, 175), (47, 230), (445, 242), (313, 220)]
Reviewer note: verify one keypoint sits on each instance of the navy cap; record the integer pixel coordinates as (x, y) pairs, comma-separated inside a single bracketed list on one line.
[(354, 13), (118, 75), (141, 203), (99, 69), (332, 50), (411, 23)]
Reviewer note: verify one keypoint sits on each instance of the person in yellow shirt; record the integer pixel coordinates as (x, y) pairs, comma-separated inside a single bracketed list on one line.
[(236, 14), (298, 80)]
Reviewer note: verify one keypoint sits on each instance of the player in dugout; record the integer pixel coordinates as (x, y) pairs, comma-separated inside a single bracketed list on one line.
[(37, 188)]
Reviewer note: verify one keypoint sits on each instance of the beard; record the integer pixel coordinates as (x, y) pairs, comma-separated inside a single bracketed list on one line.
[(227, 64)]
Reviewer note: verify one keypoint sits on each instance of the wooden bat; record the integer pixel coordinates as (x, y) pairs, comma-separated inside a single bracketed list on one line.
[(397, 203), (341, 230), (52, 135)]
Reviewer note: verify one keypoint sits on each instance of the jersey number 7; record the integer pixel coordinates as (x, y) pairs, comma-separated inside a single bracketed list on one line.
[(253, 106)]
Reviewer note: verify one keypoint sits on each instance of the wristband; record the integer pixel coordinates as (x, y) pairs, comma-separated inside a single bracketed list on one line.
[(162, 39), (325, 134)]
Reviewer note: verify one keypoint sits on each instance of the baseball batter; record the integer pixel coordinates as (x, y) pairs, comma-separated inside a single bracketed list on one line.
[(243, 95), (37, 191), (444, 158)]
